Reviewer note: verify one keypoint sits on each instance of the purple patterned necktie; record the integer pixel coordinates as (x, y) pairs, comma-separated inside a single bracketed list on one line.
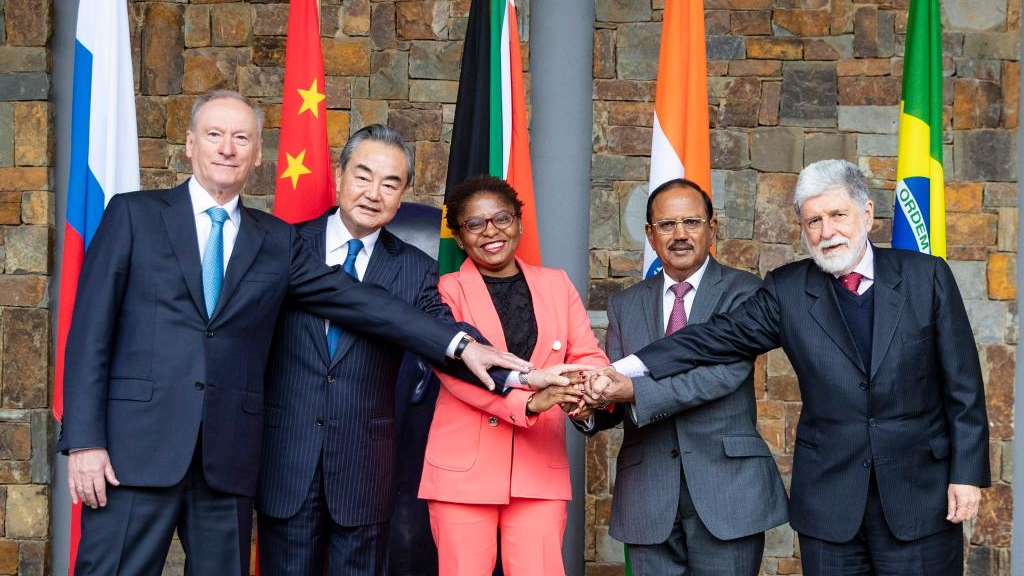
[(677, 319), (851, 281)]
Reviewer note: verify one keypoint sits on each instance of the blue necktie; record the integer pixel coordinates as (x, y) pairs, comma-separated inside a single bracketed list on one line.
[(213, 259), (334, 331)]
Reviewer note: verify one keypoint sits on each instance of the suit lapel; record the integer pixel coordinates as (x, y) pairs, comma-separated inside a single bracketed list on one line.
[(247, 246), (180, 222), (825, 311), (543, 307), (652, 306), (380, 270), (315, 235), (479, 309), (708, 294), (888, 306)]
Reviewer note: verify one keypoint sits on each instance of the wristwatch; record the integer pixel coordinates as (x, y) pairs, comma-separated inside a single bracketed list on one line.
[(461, 346), (524, 379), (529, 402)]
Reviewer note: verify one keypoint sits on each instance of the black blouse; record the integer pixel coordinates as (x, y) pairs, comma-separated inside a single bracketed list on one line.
[(514, 304)]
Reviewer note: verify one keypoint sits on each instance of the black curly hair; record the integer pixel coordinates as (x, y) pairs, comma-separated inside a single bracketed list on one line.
[(480, 184)]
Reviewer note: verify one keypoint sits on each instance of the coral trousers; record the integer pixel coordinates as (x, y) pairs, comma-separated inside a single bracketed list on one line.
[(467, 537)]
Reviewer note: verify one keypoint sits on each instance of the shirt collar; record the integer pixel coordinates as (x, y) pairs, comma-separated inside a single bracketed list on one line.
[(866, 266), (693, 280), (202, 201), (338, 235)]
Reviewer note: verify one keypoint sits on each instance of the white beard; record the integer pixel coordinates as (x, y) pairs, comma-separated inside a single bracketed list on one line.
[(838, 262)]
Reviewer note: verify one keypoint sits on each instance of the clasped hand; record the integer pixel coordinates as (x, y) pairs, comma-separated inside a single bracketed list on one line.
[(580, 390)]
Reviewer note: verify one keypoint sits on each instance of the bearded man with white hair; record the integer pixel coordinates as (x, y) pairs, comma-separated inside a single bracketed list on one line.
[(892, 442)]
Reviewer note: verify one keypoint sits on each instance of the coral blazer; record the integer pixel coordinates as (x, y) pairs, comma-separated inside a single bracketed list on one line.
[(482, 447)]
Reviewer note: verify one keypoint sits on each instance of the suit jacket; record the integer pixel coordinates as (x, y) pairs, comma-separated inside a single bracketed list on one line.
[(483, 448), (146, 368), (916, 416), (353, 394), (704, 420)]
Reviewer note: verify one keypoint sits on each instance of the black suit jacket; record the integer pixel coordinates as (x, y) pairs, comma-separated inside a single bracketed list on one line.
[(916, 416), (352, 394), (146, 368)]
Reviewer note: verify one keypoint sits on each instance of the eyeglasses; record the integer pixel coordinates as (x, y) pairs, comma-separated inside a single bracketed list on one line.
[(501, 221), (837, 218), (669, 226)]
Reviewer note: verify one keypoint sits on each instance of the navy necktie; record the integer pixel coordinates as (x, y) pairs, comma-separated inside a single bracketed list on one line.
[(333, 330), (213, 259)]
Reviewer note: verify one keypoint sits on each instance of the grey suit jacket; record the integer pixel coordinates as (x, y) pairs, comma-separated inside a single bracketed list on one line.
[(704, 420)]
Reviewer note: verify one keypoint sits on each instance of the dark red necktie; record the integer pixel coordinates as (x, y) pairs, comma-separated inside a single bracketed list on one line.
[(677, 318), (851, 281)]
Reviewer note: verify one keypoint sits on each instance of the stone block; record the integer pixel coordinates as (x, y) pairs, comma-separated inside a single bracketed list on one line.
[(28, 22), (774, 221), (1011, 94), (717, 47), (6, 135), (874, 33), (33, 138), (985, 155), (28, 249), (337, 128), (25, 86), (970, 278), (626, 264), (774, 48), (879, 169), (209, 69), (729, 150), (37, 208), (963, 196), (1002, 276), (992, 45), (8, 557), (1000, 194), (389, 78), (416, 124), (771, 98), (155, 179), (809, 96), (23, 290), (435, 60), (738, 253), (382, 25), (628, 140), (869, 119), (162, 49), (346, 57), (330, 21), (637, 50), (988, 320), (779, 542), (823, 146), (629, 90), (738, 5), (976, 104), (26, 347), (618, 168), (1008, 222), (877, 145), (802, 23), (432, 91), (261, 81), (270, 20), (631, 114), (864, 67), (34, 558), (28, 511), (179, 109), (828, 48), (842, 13), (777, 149), (717, 22), (752, 23), (431, 167), (604, 219), (604, 53), (761, 68), (623, 11), (268, 50), (355, 17), (995, 516), (869, 91), (15, 441), (339, 92), (633, 216), (974, 15), (23, 59), (979, 69), (366, 112), (151, 118), (422, 20), (598, 264), (197, 26)]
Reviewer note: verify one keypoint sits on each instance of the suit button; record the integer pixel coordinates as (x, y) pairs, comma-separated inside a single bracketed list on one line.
[(209, 334), (872, 422), (675, 453), (330, 377), (492, 421), (200, 385), (319, 421), (867, 463), (863, 385)]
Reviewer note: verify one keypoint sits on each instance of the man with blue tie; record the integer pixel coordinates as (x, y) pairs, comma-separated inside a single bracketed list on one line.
[(331, 487), (164, 385)]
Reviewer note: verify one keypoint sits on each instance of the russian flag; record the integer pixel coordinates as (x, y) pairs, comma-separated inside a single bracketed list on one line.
[(104, 157)]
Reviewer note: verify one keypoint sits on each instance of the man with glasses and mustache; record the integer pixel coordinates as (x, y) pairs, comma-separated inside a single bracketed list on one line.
[(696, 486), (892, 443)]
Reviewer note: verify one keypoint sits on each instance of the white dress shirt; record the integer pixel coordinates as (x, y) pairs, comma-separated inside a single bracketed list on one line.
[(668, 297), (201, 202)]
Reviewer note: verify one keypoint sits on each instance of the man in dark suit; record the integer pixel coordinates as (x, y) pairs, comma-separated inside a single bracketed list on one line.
[(892, 442), (166, 356), (330, 487), (696, 486)]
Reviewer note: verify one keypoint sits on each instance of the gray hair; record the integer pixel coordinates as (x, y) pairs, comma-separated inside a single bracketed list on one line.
[(227, 95), (825, 175), (377, 133)]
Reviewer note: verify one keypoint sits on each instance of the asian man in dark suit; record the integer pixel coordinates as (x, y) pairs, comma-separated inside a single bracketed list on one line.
[(695, 485), (166, 358), (892, 442)]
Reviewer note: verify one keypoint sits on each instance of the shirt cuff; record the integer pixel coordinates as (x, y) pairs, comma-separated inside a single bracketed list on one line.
[(632, 412), (512, 381), (450, 352), (631, 366)]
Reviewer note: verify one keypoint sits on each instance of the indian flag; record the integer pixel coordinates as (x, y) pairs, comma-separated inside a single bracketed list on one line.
[(919, 221), (680, 146), (489, 135)]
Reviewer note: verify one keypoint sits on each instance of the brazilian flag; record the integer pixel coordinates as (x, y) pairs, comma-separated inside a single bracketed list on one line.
[(919, 221)]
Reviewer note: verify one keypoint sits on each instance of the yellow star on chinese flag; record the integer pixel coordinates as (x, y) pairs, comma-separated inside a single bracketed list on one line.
[(311, 100), (295, 168)]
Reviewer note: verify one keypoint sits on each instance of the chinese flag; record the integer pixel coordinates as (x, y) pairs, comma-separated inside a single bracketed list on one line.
[(305, 184)]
